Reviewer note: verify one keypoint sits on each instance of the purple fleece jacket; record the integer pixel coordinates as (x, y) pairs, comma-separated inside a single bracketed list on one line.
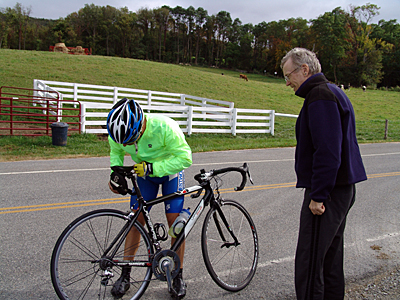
[(327, 152)]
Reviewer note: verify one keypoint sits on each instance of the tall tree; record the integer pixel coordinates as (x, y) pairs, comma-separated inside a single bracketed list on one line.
[(91, 16), (162, 17), (145, 22), (20, 15), (200, 18), (389, 31), (5, 24), (224, 22), (110, 16), (330, 40), (178, 14)]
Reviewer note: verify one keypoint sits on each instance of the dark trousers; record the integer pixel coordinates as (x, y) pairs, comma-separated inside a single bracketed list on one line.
[(319, 256)]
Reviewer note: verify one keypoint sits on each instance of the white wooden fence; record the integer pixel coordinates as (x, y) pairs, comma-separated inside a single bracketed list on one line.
[(193, 114)]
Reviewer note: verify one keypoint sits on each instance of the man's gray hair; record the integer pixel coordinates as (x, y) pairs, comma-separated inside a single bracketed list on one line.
[(302, 56)]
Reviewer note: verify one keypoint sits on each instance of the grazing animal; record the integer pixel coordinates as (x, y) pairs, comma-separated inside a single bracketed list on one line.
[(244, 77), (347, 87), (364, 88)]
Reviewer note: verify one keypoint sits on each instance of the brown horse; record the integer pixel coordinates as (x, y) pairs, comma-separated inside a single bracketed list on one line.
[(244, 77)]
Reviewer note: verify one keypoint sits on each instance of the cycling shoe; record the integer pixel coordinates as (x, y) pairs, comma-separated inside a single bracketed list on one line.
[(121, 286), (180, 288)]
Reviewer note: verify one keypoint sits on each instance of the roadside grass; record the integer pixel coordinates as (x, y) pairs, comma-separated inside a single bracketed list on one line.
[(19, 68)]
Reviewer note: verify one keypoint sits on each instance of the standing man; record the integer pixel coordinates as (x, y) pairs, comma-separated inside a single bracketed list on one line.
[(328, 164), (160, 152)]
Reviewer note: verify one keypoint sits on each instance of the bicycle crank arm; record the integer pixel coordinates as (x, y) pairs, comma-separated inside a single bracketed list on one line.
[(166, 267)]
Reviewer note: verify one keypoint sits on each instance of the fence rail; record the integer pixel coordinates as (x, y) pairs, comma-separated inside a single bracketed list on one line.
[(193, 114), (191, 119), (109, 94)]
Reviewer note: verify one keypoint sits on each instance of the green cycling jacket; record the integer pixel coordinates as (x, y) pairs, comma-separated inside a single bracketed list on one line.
[(163, 144)]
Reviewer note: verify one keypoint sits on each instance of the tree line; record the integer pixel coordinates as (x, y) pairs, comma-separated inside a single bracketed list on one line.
[(352, 49)]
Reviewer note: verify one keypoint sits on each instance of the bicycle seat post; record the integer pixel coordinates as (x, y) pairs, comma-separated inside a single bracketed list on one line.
[(136, 188)]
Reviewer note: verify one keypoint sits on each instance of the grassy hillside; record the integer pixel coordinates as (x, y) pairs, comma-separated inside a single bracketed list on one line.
[(19, 68)]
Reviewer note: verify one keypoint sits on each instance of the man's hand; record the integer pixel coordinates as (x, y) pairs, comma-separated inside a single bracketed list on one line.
[(317, 208), (143, 169)]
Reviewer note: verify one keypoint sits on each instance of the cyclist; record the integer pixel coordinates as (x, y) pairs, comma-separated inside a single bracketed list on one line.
[(158, 147)]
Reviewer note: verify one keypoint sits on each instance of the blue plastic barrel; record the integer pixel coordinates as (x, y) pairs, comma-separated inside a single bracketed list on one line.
[(59, 133)]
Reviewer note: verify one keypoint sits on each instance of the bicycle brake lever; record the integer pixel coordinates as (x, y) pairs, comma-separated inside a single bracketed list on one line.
[(247, 170), (248, 173)]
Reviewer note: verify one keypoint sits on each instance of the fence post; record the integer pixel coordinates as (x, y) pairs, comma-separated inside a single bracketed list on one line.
[(204, 104), (272, 122), (75, 93), (386, 129), (48, 118), (83, 117), (182, 99), (149, 98), (234, 121), (35, 87), (11, 116), (189, 120), (115, 97)]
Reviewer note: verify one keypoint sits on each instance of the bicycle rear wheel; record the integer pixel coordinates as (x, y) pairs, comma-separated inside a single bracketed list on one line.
[(79, 269), (231, 265)]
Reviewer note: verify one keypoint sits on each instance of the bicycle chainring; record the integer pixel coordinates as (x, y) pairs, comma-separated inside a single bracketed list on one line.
[(163, 257)]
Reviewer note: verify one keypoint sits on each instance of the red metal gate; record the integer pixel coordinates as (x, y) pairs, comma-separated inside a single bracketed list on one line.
[(30, 112)]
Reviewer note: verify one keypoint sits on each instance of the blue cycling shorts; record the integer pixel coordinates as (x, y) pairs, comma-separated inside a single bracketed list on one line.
[(149, 187)]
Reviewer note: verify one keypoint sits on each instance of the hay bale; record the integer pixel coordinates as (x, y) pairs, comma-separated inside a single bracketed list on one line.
[(60, 47), (79, 50)]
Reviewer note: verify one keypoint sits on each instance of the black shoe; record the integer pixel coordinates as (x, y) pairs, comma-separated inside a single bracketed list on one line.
[(121, 286), (180, 287)]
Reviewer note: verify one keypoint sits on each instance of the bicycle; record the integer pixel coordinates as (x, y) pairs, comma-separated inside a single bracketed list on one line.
[(90, 251)]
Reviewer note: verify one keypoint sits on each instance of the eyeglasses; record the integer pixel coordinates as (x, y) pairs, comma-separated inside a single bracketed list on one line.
[(287, 76)]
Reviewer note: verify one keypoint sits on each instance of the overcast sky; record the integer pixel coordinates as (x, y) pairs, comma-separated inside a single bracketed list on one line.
[(248, 11)]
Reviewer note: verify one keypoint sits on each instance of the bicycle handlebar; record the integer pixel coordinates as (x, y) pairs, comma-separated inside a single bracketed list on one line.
[(202, 176), (243, 170)]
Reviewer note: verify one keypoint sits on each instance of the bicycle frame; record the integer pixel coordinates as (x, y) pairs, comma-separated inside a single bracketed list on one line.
[(207, 199)]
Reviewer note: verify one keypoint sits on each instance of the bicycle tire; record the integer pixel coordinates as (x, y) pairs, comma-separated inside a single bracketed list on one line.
[(75, 264), (232, 267)]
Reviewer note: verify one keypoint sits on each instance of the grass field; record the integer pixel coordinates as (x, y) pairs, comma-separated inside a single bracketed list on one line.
[(19, 68)]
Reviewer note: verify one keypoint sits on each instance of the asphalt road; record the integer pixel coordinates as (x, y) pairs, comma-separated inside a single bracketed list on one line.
[(38, 199)]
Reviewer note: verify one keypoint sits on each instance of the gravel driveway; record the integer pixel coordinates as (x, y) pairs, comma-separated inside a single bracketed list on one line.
[(381, 286)]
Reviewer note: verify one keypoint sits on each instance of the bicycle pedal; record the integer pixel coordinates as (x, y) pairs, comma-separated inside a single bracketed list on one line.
[(104, 281)]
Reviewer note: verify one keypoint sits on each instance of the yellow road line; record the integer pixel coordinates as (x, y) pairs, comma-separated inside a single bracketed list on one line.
[(249, 188)]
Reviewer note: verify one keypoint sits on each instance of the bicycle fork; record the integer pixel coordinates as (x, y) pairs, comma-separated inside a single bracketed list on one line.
[(224, 220)]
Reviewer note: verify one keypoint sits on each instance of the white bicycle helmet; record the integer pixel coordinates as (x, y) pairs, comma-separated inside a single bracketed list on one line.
[(124, 122)]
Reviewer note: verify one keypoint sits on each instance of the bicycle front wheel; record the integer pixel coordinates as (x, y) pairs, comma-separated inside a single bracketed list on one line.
[(231, 264), (80, 268)]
